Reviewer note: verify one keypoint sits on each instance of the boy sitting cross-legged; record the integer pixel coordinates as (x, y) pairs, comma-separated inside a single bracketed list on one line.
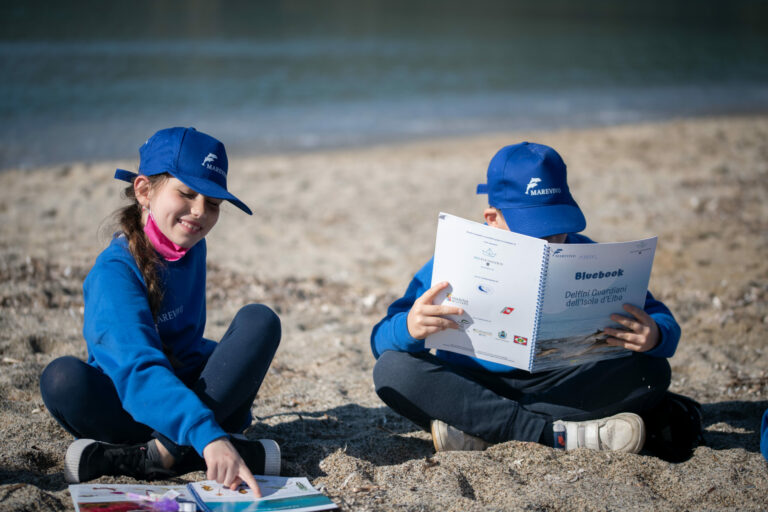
[(469, 403)]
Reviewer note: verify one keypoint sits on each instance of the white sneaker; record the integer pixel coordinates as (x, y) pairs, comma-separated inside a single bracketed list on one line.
[(448, 438), (624, 432)]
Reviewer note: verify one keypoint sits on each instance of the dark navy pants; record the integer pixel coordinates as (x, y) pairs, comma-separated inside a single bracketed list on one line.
[(516, 405), (85, 402)]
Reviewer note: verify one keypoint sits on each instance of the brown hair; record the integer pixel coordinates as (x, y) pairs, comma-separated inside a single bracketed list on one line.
[(147, 259)]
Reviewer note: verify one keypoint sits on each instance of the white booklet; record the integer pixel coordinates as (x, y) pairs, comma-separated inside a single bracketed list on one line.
[(531, 304), (278, 493), (129, 497)]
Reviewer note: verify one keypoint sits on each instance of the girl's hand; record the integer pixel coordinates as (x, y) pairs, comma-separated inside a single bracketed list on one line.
[(425, 318), (227, 467), (641, 333)]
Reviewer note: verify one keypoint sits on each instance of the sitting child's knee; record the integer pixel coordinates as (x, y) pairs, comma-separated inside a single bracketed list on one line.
[(392, 369), (59, 376), (262, 317)]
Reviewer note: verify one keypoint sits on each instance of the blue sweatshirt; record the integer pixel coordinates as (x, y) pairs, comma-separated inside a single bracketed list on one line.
[(124, 342), (764, 435), (391, 333)]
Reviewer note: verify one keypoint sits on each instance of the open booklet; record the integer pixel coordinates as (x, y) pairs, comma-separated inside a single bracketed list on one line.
[(531, 304), (278, 493)]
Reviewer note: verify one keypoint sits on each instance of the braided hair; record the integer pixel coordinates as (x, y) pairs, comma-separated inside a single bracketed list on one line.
[(147, 259)]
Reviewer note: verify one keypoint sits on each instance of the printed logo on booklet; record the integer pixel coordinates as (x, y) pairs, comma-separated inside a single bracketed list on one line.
[(558, 253), (489, 252), (458, 300)]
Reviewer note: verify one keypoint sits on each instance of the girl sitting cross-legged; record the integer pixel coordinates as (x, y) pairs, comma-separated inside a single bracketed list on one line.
[(155, 398)]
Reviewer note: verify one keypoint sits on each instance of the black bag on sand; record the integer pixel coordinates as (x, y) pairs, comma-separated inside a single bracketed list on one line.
[(673, 428)]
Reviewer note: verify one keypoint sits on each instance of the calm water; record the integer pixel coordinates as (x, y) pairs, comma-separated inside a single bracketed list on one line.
[(91, 80)]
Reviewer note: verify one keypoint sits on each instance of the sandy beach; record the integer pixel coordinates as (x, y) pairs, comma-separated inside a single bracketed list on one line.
[(336, 236)]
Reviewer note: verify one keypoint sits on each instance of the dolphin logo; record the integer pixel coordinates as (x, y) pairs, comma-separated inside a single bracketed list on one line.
[(532, 184), (485, 289), (210, 158)]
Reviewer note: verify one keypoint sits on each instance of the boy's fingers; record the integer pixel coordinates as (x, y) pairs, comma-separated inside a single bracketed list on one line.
[(638, 313), (440, 310), (630, 336), (623, 343), (632, 325), (428, 296), (616, 333), (443, 323)]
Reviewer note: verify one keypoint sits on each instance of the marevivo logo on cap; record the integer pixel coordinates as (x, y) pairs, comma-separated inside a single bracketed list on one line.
[(532, 189), (208, 162)]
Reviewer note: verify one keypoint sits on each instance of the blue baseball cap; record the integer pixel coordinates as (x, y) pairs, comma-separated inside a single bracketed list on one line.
[(528, 183), (194, 158)]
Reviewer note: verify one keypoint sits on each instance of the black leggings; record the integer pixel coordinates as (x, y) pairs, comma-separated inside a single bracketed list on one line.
[(84, 401), (516, 405)]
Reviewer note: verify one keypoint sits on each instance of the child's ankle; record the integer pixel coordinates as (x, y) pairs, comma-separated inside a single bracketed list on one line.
[(166, 458)]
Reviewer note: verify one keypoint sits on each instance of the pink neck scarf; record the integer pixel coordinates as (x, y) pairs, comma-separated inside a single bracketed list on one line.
[(167, 249)]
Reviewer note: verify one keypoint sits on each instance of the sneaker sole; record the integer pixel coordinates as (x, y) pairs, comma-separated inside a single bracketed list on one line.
[(72, 460), (272, 456), (437, 437), (443, 441)]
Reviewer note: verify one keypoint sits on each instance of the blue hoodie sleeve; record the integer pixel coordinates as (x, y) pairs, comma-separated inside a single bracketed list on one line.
[(124, 343), (391, 333), (669, 329)]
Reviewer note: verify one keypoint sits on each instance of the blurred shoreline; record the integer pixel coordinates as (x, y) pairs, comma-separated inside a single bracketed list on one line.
[(83, 84), (42, 148)]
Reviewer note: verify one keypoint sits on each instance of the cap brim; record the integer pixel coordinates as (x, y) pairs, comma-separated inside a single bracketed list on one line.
[(201, 186), (210, 189), (123, 175), (545, 220)]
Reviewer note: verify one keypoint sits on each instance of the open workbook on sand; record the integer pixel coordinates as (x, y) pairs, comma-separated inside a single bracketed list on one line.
[(531, 304), (278, 493)]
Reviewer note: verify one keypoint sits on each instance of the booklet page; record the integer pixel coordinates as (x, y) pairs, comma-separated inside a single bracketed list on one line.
[(278, 493), (585, 284), (494, 276), (124, 497), (521, 295)]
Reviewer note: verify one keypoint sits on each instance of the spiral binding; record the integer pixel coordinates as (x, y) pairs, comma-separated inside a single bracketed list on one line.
[(539, 306)]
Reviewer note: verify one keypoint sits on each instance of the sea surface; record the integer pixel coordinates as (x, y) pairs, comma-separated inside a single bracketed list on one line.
[(87, 80)]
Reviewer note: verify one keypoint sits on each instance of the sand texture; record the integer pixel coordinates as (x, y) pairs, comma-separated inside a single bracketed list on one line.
[(336, 236)]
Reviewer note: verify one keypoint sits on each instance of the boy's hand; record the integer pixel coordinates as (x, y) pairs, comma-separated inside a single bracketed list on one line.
[(227, 467), (641, 333), (425, 318)]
